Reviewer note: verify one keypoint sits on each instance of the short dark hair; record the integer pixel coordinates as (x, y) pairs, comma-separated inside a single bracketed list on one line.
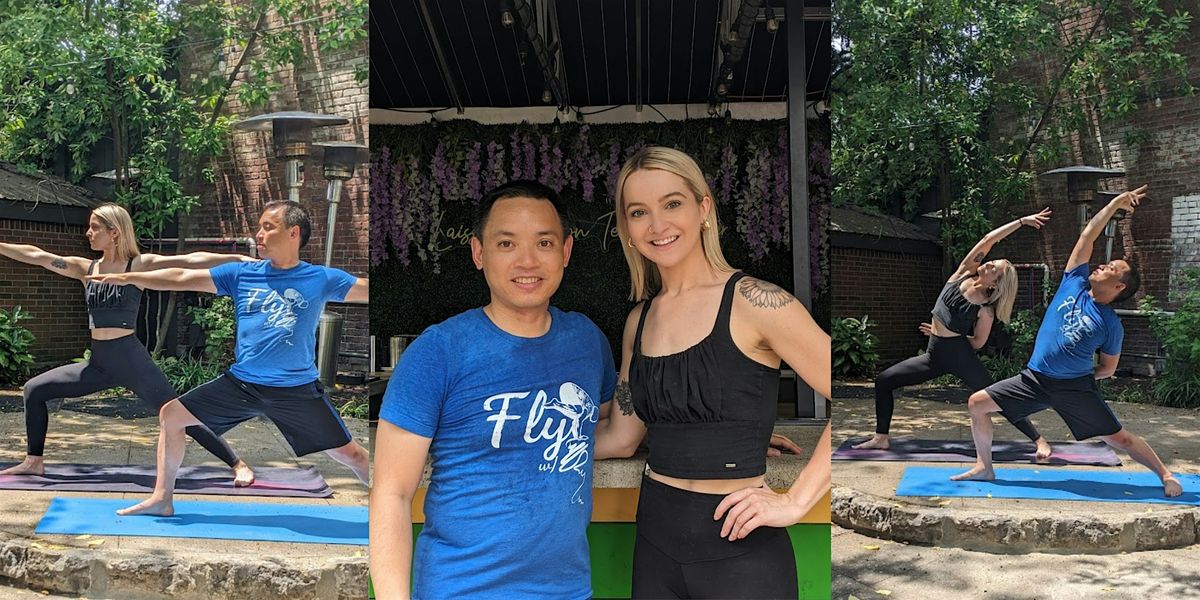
[(294, 215), (1132, 280), (520, 188)]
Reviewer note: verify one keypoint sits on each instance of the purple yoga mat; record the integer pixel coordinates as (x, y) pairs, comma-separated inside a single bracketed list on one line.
[(303, 482), (915, 450)]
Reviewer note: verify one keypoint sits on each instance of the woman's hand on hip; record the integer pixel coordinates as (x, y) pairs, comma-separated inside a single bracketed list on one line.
[(751, 508)]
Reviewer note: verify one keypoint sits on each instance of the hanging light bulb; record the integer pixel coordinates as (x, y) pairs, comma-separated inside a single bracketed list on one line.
[(506, 13), (546, 97), (728, 116), (772, 21)]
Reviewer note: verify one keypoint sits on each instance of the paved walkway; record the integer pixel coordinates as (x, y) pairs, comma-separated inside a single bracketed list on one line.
[(864, 490), (147, 567)]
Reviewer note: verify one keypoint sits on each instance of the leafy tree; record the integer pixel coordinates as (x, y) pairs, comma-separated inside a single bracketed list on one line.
[(966, 100), (76, 73)]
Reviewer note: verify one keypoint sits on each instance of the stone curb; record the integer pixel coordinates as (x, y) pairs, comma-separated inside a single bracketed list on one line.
[(1009, 533), (95, 573)]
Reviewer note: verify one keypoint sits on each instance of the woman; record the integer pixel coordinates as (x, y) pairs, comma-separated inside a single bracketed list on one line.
[(117, 358), (975, 296), (700, 373)]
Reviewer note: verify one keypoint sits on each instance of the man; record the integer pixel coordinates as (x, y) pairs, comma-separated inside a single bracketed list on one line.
[(505, 400), (277, 302), (1060, 373)]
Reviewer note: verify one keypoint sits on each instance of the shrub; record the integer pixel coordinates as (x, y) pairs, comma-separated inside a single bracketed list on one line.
[(1179, 385), (187, 373), (15, 358), (220, 327), (853, 348)]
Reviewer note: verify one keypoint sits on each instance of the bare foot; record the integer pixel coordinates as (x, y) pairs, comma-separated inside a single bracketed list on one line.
[(149, 506), (977, 473), (879, 441), (1043, 449), (243, 475), (32, 465), (1171, 486)]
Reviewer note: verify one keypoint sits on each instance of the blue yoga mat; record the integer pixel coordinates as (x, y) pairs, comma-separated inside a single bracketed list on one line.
[(1049, 484), (305, 523)]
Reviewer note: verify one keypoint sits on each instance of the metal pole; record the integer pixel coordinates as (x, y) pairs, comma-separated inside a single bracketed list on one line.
[(798, 149), (333, 194), (291, 179)]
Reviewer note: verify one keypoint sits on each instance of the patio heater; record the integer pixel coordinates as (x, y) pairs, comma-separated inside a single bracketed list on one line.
[(1110, 228), (291, 133), (339, 163), (1081, 191)]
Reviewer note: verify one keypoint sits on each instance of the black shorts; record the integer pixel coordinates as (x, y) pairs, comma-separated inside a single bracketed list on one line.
[(1077, 401), (302, 413)]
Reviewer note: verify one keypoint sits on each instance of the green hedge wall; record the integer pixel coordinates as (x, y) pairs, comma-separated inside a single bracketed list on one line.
[(437, 279)]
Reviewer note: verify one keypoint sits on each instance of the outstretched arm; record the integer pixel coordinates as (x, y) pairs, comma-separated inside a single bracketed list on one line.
[(1083, 247), (399, 461), (620, 431), (67, 266), (975, 257), (167, 280), (360, 292), (191, 260)]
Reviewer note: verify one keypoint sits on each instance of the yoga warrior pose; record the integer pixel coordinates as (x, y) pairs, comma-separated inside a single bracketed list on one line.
[(700, 375), (1061, 373), (277, 302), (976, 295), (118, 358)]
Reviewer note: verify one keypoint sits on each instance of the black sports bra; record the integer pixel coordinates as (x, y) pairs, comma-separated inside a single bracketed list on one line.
[(954, 311), (709, 409), (111, 305)]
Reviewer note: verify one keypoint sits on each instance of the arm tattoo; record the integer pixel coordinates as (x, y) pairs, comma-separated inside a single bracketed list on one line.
[(762, 294), (978, 258), (624, 398), (58, 263)]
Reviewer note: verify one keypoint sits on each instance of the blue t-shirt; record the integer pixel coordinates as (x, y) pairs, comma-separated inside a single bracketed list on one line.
[(512, 422), (1074, 327), (277, 312)]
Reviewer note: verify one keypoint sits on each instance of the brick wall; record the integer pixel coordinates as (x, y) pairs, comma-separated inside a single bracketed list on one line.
[(1162, 236), (248, 175), (59, 315), (895, 290)]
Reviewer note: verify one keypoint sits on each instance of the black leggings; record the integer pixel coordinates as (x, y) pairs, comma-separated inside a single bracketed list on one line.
[(952, 355), (121, 362), (679, 552)]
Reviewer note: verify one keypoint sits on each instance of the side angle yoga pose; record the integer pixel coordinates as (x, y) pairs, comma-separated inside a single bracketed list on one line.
[(975, 296)]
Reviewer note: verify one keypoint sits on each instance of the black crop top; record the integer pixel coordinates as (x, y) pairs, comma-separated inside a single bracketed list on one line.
[(954, 311), (710, 409), (111, 305)]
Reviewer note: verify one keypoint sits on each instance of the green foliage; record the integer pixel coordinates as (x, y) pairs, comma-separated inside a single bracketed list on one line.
[(1003, 367), (75, 73), (853, 348), (187, 373), (1179, 385), (950, 98), (355, 409), (220, 327), (15, 358), (597, 281)]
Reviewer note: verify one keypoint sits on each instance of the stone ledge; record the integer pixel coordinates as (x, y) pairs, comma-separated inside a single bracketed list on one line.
[(1012, 532), (96, 573)]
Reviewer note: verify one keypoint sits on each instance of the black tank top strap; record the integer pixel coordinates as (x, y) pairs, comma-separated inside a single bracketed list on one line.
[(722, 325), (637, 338), (129, 265), (92, 266)]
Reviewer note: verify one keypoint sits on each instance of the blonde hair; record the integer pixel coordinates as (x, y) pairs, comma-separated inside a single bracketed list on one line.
[(643, 273), (117, 218), (1006, 293)]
